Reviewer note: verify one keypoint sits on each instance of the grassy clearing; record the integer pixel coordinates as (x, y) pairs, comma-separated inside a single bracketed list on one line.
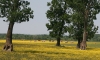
[(30, 50)]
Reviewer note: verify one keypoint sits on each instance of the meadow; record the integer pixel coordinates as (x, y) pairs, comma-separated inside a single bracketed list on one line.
[(30, 50)]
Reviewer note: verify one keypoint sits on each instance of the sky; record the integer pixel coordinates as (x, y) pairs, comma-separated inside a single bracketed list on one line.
[(37, 24)]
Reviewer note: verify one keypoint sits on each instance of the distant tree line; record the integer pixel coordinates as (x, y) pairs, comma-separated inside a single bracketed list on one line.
[(45, 37), (96, 37), (31, 37)]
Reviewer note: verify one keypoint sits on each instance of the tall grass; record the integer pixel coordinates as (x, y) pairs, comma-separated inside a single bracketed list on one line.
[(30, 50)]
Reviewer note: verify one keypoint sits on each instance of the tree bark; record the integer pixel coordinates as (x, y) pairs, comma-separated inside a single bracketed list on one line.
[(83, 43), (79, 43), (58, 41), (8, 45)]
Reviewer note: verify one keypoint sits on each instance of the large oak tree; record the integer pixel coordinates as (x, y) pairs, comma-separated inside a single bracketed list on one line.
[(15, 11)]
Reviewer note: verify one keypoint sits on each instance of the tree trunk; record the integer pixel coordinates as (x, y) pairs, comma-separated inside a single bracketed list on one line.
[(58, 41), (79, 43), (83, 43), (8, 45)]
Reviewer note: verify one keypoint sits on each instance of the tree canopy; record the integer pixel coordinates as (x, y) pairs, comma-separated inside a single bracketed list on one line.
[(15, 10), (58, 18)]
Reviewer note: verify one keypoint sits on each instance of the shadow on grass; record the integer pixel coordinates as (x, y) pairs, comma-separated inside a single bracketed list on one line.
[(39, 52), (90, 48)]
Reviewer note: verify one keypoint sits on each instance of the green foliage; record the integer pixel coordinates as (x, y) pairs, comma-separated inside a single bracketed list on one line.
[(84, 12), (58, 17), (96, 37), (45, 37), (27, 37), (15, 10)]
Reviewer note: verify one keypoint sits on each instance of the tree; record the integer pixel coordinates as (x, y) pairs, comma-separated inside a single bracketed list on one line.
[(91, 9), (76, 28), (87, 10), (15, 11), (59, 18)]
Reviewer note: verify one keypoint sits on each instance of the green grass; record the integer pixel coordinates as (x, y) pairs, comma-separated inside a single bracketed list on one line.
[(26, 50)]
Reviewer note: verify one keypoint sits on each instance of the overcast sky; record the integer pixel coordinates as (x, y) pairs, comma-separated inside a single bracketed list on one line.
[(36, 25)]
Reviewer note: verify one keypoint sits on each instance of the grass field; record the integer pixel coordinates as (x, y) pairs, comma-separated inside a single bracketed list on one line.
[(30, 50)]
